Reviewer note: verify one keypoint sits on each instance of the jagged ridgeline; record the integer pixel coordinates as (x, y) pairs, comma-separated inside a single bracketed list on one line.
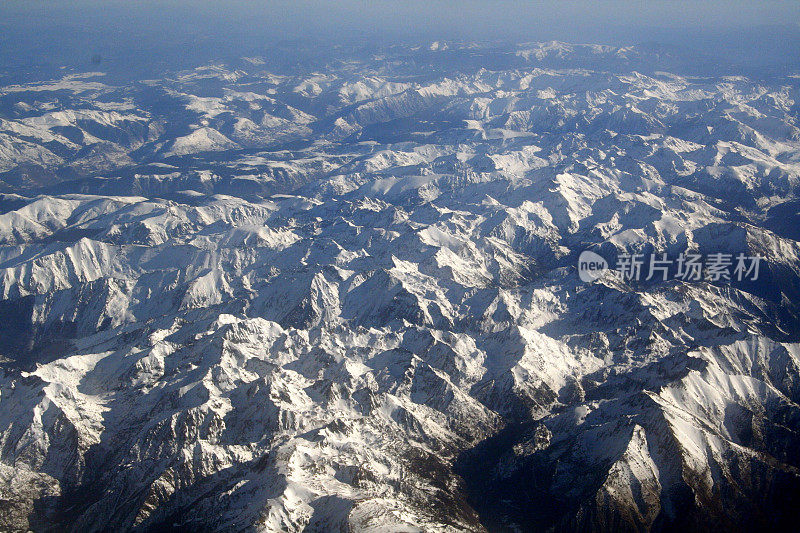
[(251, 297)]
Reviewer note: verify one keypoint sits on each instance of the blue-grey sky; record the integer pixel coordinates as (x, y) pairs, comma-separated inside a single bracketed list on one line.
[(672, 12), (465, 18), (53, 32)]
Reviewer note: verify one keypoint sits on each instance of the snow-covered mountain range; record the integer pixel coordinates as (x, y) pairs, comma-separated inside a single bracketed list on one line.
[(250, 298)]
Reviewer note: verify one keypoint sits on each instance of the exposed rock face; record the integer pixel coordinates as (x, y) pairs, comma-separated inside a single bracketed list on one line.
[(235, 299)]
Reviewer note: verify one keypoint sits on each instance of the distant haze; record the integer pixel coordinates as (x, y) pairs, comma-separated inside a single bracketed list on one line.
[(57, 33)]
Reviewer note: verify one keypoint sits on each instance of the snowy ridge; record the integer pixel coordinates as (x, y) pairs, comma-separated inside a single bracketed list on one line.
[(348, 300)]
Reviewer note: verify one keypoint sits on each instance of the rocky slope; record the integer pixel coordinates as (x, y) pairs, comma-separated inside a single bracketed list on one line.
[(235, 299)]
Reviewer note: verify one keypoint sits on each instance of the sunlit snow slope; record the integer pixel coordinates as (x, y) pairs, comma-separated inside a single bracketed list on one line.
[(244, 298)]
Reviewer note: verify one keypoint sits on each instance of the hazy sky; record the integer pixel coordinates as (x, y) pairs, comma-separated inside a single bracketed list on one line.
[(484, 19), (53, 32)]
